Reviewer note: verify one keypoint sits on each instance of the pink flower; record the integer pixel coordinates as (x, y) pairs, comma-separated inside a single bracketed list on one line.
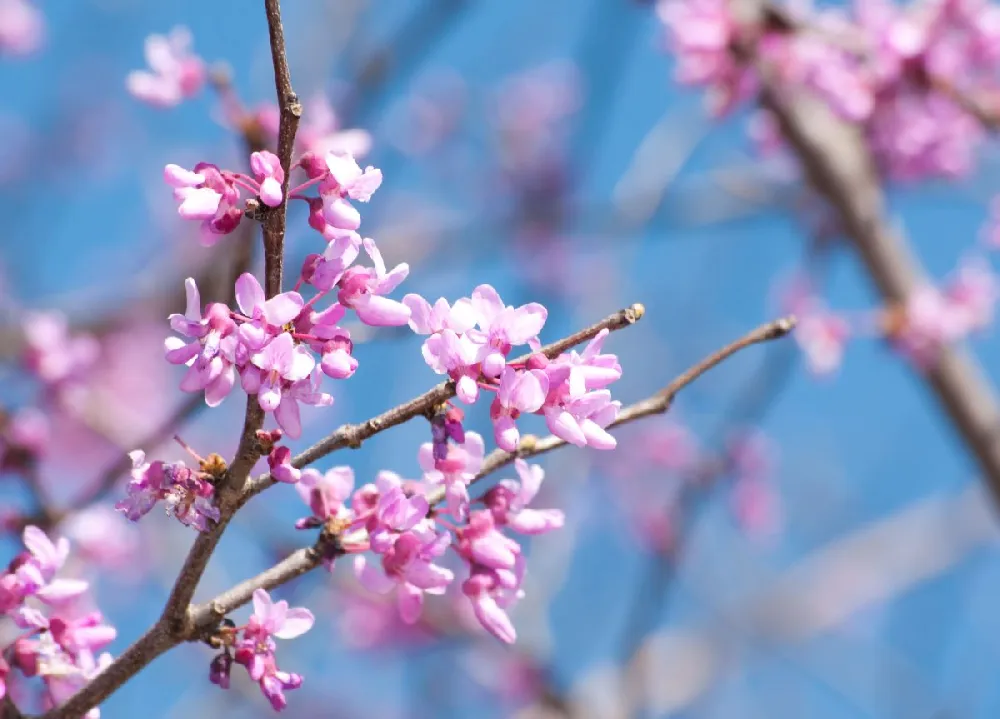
[(457, 356), (176, 73), (267, 317), (319, 131), (508, 502), (188, 495), (519, 391), (325, 494), (362, 290), (426, 319), (33, 574), (346, 179), (972, 294), (280, 462), (455, 470), (22, 29), (208, 194), (210, 356), (282, 363), (255, 649), (492, 592), (408, 566), (502, 328), (267, 169)]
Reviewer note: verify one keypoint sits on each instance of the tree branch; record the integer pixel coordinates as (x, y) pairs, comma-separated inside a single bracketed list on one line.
[(206, 616), (839, 166), (352, 435)]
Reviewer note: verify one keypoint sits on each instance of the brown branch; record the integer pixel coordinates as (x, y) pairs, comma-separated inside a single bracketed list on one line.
[(659, 403), (175, 613), (205, 616), (291, 111), (352, 435)]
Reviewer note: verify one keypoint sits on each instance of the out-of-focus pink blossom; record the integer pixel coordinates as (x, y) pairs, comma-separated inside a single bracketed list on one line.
[(175, 72), (822, 337), (22, 27)]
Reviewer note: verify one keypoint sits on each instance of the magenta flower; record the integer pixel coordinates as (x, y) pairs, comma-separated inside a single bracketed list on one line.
[(325, 494), (267, 169), (255, 650), (509, 500), (187, 495), (519, 391), (267, 317), (455, 470), (282, 363), (208, 194), (501, 327), (577, 416), (362, 290), (280, 463), (175, 72), (407, 566)]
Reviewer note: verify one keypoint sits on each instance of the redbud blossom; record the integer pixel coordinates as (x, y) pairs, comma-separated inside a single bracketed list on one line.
[(176, 74)]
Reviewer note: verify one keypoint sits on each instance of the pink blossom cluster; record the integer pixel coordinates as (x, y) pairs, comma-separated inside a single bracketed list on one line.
[(899, 73), (57, 641), (470, 341), (393, 519), (175, 73), (187, 494), (59, 362), (252, 646)]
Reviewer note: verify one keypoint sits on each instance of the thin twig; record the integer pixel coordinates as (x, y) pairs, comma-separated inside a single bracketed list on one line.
[(352, 435), (304, 560)]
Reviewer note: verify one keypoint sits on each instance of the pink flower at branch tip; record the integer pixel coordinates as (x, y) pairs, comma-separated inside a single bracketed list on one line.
[(175, 72)]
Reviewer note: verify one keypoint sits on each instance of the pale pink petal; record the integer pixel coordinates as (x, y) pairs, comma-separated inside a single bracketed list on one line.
[(494, 619), (297, 622), (372, 578), (410, 601)]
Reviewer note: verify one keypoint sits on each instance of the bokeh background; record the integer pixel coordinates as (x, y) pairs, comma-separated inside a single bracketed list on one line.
[(779, 546)]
